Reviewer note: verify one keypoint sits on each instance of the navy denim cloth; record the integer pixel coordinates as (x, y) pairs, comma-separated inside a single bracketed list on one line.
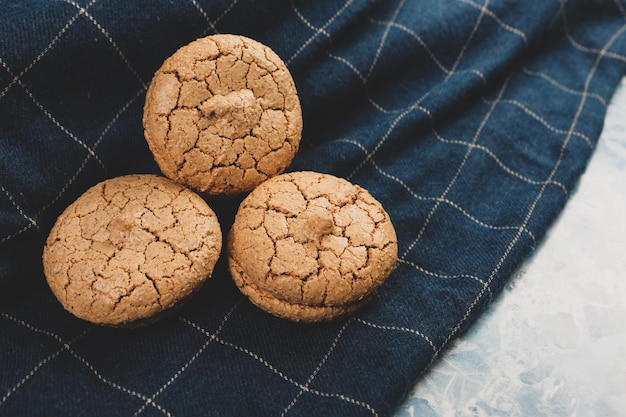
[(470, 120)]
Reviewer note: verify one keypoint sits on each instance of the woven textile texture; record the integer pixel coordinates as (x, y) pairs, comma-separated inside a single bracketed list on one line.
[(470, 120)]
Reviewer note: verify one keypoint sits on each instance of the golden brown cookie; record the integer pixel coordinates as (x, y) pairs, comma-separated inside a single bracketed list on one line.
[(222, 115), (310, 247), (130, 248)]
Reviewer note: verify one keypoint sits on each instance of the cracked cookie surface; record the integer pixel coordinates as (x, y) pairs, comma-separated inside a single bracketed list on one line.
[(310, 247), (222, 115), (129, 248)]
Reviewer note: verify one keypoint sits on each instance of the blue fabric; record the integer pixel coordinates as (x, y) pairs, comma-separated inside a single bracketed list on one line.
[(470, 120)]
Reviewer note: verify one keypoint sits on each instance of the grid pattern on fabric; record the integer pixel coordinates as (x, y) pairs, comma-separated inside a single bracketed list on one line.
[(470, 120)]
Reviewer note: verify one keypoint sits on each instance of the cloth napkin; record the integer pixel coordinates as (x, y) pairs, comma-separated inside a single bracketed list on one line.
[(471, 121)]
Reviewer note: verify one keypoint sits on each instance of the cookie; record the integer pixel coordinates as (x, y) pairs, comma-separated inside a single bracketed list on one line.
[(222, 115), (310, 247), (131, 248)]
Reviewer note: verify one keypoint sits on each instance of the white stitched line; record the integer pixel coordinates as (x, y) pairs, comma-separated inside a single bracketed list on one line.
[(49, 115), (45, 50), (115, 385), (91, 151), (118, 115), (66, 346), (61, 127), (460, 168), (363, 80), (417, 38), (533, 206), (286, 378), (189, 362), (477, 72), (443, 276), (544, 121), (594, 51), (400, 329), (317, 369), (381, 108), (437, 199), (225, 12), (318, 31), (297, 384), (499, 21), (349, 65), (96, 143), (220, 17), (17, 233), (475, 220), (109, 38), (620, 7), (583, 48), (416, 103), (19, 209), (506, 168), (32, 328), (346, 399), (383, 39), (205, 15), (562, 87), (80, 168), (378, 106), (38, 366), (492, 155), (306, 21), (483, 9), (30, 374), (382, 140)]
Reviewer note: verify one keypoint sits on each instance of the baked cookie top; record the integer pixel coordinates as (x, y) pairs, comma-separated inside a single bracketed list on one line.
[(131, 247), (222, 115), (310, 247)]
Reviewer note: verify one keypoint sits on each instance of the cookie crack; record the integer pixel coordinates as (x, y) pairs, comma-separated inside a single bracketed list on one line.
[(156, 288)]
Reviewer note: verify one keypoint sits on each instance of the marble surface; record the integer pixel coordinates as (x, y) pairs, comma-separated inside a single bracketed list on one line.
[(554, 342)]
